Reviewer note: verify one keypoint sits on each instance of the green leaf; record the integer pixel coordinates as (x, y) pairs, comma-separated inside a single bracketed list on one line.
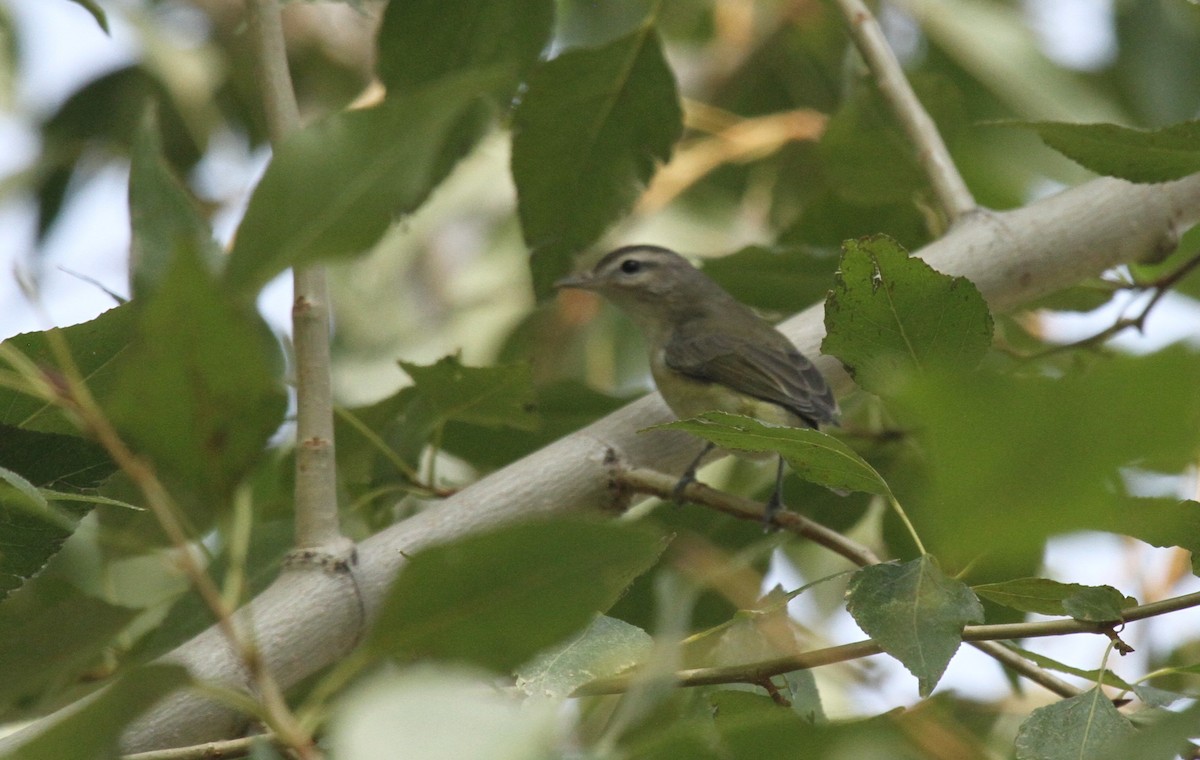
[(162, 212), (93, 7), (93, 730), (1137, 155), (334, 187), (915, 613), (93, 346), (497, 598), (1167, 738), (1047, 597), (814, 456), (499, 396), (1079, 727), (890, 315), (605, 648), (198, 391), (783, 279), (422, 40), (1036, 455), (71, 632), (587, 135)]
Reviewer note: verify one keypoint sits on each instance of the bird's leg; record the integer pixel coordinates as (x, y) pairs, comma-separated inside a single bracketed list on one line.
[(775, 503), (689, 475)]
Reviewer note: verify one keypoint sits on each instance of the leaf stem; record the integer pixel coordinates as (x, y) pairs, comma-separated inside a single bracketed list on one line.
[(912, 531)]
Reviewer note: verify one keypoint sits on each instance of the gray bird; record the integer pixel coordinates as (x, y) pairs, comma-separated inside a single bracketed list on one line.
[(708, 351)]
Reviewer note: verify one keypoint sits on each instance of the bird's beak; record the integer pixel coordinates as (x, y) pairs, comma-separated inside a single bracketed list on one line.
[(583, 280)]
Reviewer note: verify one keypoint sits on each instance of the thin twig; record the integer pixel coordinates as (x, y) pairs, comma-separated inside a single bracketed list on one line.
[(952, 193), (642, 480), (1161, 287), (316, 484)]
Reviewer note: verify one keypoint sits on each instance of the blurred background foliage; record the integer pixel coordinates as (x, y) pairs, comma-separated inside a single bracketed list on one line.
[(787, 151)]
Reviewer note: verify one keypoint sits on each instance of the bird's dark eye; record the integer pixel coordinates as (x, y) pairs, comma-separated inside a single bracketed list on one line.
[(631, 266)]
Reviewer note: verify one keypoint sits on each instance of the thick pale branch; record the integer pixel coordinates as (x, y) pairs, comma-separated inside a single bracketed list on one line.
[(306, 621), (952, 193)]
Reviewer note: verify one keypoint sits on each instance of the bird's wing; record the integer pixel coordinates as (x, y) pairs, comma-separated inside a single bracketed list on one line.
[(774, 372)]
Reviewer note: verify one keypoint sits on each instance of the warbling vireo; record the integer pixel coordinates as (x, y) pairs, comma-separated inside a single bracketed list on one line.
[(709, 352)]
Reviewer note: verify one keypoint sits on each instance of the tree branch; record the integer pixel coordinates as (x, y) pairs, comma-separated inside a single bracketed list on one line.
[(952, 193), (316, 479)]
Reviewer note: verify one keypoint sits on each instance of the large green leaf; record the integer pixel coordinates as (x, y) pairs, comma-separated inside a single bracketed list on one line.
[(497, 598), (588, 133), (1138, 155), (1082, 726), (814, 456), (1012, 460), (915, 613), (93, 730), (422, 40), (891, 314), (334, 187), (198, 391), (162, 213)]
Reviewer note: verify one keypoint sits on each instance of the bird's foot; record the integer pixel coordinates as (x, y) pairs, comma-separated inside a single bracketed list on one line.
[(774, 505), (688, 478)]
